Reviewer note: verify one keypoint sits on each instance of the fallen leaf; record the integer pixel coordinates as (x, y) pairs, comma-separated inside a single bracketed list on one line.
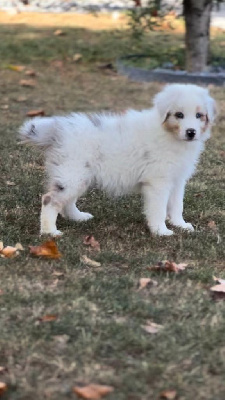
[(27, 82), (146, 283), (48, 249), (30, 72), (89, 262), (212, 225), (58, 274), (21, 99), (17, 68), (9, 183), (48, 318), (35, 113), (152, 327), (77, 57), (90, 241), (1, 246), (198, 195), (3, 388), (59, 32), (218, 288), (19, 246), (168, 394), (92, 391), (218, 280), (168, 266), (9, 252)]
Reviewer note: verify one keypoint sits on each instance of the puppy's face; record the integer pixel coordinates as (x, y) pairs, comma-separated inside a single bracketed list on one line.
[(186, 111)]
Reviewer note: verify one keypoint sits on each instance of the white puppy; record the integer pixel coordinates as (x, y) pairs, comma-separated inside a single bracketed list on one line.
[(154, 151)]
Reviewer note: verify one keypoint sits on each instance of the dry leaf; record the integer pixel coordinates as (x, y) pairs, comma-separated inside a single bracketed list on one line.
[(9, 183), (59, 32), (17, 68), (89, 262), (218, 280), (168, 394), (218, 288), (27, 82), (77, 57), (146, 283), (48, 249), (212, 225), (90, 241), (92, 391), (48, 318), (21, 99), (3, 388), (19, 246), (58, 274), (30, 72), (9, 252), (35, 113), (1, 246), (168, 266), (152, 327)]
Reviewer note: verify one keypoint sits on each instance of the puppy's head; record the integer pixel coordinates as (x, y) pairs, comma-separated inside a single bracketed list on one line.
[(186, 111)]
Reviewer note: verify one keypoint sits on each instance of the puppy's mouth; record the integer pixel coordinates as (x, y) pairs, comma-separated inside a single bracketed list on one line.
[(190, 140)]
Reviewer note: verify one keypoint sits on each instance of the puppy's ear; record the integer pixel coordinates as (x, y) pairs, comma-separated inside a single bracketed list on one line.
[(163, 104), (211, 108)]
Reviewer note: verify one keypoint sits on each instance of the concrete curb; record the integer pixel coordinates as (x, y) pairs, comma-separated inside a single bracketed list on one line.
[(166, 75)]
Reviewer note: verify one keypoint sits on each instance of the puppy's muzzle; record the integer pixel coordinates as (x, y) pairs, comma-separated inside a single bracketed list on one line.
[(190, 134)]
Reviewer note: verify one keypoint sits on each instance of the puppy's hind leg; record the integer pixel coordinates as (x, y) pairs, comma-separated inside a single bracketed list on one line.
[(71, 211), (49, 212)]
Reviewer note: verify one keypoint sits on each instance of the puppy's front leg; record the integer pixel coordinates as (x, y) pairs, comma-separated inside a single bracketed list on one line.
[(155, 204), (175, 206)]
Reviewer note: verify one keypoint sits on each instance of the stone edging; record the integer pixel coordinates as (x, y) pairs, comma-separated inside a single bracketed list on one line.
[(166, 75)]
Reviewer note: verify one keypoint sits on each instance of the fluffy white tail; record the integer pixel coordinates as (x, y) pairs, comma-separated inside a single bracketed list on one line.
[(38, 131)]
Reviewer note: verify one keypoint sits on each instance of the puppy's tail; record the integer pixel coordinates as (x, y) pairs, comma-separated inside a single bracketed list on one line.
[(39, 131)]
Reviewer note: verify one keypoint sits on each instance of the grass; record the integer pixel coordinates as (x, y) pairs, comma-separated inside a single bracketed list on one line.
[(97, 336)]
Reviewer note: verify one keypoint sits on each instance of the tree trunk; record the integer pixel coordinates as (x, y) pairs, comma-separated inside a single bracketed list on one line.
[(197, 22)]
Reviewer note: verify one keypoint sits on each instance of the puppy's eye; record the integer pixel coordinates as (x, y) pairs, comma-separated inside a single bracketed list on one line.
[(199, 115), (179, 115)]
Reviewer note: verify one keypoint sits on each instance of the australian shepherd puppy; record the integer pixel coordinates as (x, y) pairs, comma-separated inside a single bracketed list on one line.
[(154, 151)]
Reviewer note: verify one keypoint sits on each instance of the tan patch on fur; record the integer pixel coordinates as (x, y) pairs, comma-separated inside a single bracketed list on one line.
[(204, 118), (46, 200), (171, 125)]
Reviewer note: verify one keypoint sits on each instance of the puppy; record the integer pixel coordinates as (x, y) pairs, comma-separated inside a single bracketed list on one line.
[(154, 151)]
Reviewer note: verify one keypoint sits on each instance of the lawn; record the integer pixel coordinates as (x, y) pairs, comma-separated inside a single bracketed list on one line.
[(96, 334)]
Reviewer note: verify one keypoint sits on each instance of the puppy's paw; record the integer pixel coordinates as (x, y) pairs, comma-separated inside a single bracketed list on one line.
[(184, 225), (161, 231), (188, 226), (83, 216), (54, 233)]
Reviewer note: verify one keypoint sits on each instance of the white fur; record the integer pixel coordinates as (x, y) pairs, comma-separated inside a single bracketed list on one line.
[(124, 153)]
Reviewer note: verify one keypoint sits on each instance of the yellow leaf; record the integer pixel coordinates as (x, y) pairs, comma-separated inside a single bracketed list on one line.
[(17, 68)]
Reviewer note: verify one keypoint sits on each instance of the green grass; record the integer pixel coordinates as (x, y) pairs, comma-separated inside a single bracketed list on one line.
[(100, 309)]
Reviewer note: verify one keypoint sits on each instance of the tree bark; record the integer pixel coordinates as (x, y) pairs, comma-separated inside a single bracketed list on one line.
[(197, 22)]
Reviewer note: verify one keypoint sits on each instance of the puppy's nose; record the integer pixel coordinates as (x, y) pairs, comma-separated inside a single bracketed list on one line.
[(190, 134)]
